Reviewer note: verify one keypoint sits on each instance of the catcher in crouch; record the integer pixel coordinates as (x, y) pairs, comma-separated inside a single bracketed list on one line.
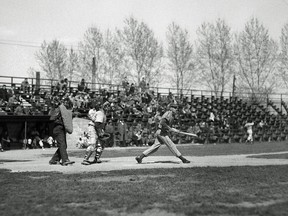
[(96, 127), (162, 137)]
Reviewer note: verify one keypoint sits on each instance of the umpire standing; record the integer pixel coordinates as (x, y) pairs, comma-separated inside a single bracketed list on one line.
[(59, 117)]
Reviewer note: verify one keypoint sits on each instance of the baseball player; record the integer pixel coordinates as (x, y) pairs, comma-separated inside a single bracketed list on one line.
[(249, 131), (96, 127), (162, 137)]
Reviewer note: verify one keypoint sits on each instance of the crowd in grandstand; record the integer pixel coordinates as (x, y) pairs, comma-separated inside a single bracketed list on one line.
[(133, 113)]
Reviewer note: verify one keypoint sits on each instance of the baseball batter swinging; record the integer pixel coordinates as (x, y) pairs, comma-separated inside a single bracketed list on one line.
[(162, 137)]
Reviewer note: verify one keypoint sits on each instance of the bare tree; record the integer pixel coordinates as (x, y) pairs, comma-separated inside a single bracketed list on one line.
[(91, 47), (283, 63), (72, 64), (256, 55), (214, 55), (143, 53), (179, 54), (31, 72), (52, 58), (114, 57)]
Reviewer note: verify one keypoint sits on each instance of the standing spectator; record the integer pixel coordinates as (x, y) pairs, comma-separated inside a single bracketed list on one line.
[(122, 129), (110, 130), (25, 86), (142, 85), (59, 133), (125, 84), (4, 93), (82, 85)]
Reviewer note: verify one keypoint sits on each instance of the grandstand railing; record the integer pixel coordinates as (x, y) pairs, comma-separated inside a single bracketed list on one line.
[(47, 84)]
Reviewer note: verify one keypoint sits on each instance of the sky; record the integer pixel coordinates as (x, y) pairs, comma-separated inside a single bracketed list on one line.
[(25, 24)]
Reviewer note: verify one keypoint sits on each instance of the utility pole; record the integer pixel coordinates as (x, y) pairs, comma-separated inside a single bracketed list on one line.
[(93, 74), (234, 86)]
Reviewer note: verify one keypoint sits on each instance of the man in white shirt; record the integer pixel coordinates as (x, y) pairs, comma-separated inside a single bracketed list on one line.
[(249, 126)]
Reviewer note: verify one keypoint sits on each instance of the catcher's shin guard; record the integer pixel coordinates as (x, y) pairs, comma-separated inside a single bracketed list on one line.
[(86, 157), (99, 150)]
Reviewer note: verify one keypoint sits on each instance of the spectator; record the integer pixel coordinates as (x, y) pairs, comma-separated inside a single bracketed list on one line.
[(125, 84), (19, 110), (25, 86), (65, 85), (35, 137), (82, 85), (110, 130), (2, 112), (142, 85), (132, 89), (212, 116), (4, 93), (122, 132), (61, 86)]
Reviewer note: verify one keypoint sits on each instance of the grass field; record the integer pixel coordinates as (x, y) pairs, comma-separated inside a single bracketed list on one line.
[(247, 190)]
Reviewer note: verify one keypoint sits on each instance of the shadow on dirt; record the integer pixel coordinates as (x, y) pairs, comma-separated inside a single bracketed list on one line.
[(8, 161)]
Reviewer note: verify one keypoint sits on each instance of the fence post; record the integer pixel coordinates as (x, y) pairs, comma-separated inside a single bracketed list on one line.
[(281, 104)]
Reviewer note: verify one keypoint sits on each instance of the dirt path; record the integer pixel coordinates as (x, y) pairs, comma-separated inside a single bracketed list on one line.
[(36, 161)]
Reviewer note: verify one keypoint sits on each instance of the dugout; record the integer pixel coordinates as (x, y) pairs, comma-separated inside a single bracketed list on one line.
[(18, 128)]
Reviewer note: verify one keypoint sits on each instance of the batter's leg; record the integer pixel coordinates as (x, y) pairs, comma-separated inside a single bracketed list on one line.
[(172, 147), (149, 151)]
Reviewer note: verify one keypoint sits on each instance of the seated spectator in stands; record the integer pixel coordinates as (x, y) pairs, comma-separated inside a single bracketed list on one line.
[(151, 138), (82, 85), (25, 86), (132, 89), (262, 125), (79, 100), (2, 112), (137, 137), (13, 90), (65, 85), (212, 116), (12, 102), (61, 86), (19, 110), (27, 110), (86, 99), (4, 93)]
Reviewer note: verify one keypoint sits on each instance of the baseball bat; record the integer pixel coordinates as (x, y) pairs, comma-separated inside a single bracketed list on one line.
[(188, 134)]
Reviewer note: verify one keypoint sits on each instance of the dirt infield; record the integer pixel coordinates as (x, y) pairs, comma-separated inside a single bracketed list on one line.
[(37, 161)]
